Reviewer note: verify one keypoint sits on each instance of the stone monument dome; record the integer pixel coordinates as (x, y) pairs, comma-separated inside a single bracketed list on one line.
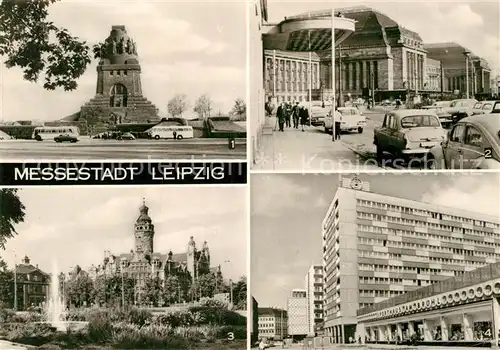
[(119, 48)]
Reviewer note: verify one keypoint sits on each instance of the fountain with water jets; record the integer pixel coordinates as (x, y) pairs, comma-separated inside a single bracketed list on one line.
[(55, 310)]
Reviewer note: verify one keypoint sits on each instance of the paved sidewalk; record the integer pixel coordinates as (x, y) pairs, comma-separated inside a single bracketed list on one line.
[(311, 150)]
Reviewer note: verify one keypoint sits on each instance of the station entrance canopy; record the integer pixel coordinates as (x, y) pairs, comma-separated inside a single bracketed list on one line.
[(308, 32)]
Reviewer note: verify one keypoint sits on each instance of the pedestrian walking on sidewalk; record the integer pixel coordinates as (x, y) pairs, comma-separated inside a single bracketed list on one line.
[(296, 117), (280, 115), (304, 116), (288, 116)]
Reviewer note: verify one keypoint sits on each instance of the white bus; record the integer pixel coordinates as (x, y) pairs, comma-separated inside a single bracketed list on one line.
[(171, 132), (52, 132)]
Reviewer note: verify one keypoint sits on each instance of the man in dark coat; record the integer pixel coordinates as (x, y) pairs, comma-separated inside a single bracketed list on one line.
[(304, 116), (288, 115), (280, 115), (296, 115)]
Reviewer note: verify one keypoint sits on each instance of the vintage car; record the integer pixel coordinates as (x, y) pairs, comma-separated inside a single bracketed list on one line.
[(473, 143), (318, 115), (66, 138), (351, 119), (329, 121), (461, 108), (126, 136), (488, 107), (444, 117), (408, 134)]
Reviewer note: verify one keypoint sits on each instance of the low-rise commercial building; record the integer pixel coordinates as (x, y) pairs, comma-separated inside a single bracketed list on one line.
[(273, 324), (458, 310)]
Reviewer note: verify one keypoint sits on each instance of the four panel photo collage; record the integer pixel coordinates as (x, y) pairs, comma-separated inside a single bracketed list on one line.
[(249, 174)]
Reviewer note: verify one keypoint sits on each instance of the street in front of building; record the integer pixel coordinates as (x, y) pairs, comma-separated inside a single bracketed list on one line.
[(314, 149), (144, 267), (397, 261), (380, 65)]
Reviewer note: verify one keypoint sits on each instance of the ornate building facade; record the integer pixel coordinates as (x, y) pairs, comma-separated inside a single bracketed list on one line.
[(379, 55), (32, 285), (119, 89), (454, 63), (288, 75), (143, 262)]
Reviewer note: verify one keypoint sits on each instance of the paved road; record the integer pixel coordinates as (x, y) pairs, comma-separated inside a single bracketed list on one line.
[(113, 149)]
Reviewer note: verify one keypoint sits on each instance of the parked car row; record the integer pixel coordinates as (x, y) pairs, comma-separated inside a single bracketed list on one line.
[(417, 134)]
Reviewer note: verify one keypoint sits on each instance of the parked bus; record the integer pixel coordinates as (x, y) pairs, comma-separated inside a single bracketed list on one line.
[(171, 132), (56, 132)]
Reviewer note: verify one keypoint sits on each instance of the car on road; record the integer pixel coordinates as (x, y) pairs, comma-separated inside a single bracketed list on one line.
[(488, 107), (329, 121), (443, 104), (477, 108), (318, 115), (126, 136), (444, 117), (473, 143), (66, 138), (408, 133), (351, 119), (461, 108)]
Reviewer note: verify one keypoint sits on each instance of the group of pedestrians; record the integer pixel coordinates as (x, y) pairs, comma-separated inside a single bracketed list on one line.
[(287, 113)]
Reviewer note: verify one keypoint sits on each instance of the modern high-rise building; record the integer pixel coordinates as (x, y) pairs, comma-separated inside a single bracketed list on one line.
[(298, 325), (273, 323), (377, 246), (314, 289)]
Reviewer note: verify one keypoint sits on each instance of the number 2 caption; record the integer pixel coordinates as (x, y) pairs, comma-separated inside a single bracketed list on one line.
[(488, 153)]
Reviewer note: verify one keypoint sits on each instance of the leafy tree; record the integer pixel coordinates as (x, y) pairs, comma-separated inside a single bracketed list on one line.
[(152, 292), (239, 109), (33, 43), (11, 213), (219, 282), (108, 290), (240, 294), (6, 285), (80, 290), (203, 106), (204, 286), (177, 105), (172, 290)]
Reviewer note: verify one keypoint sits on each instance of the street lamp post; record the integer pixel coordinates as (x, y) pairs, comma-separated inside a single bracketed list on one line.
[(334, 136), (467, 55), (442, 79), (341, 80)]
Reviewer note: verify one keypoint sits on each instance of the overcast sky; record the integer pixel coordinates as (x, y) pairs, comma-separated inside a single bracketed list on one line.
[(288, 210), (184, 47), (77, 224), (473, 24)]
